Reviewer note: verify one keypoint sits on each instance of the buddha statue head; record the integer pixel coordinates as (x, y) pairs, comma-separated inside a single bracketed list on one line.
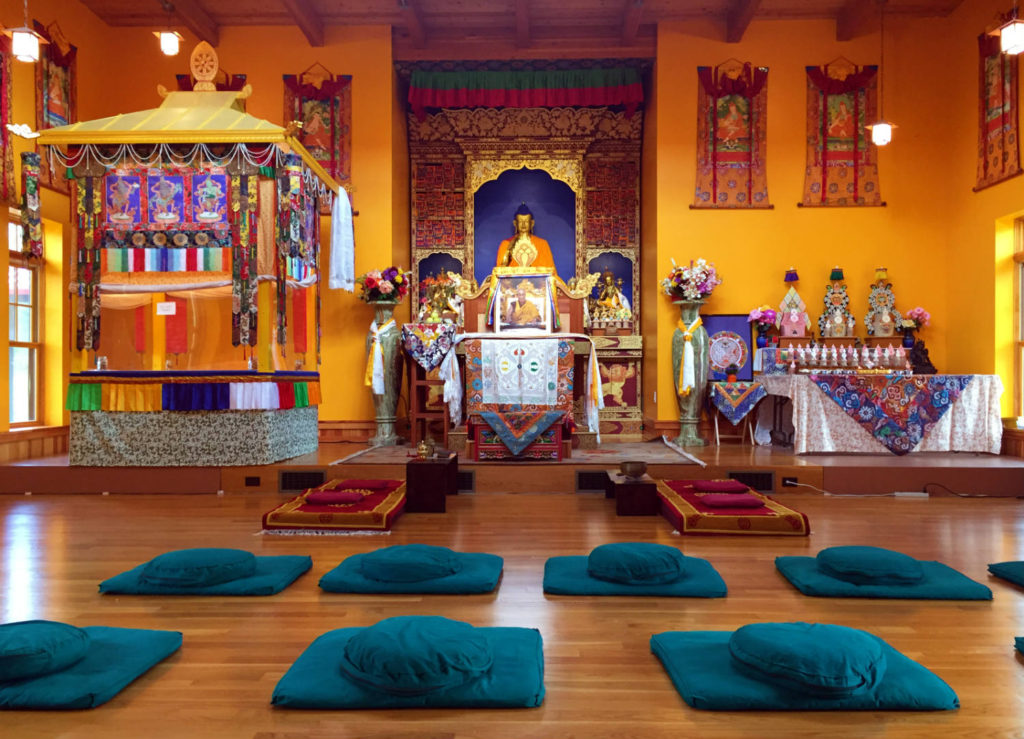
[(522, 223)]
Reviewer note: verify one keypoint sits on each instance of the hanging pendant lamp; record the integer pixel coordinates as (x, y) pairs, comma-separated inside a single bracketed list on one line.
[(881, 130)]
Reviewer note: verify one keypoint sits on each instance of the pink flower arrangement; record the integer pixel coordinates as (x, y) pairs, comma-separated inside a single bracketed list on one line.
[(693, 282), (916, 318), (763, 317), (389, 285)]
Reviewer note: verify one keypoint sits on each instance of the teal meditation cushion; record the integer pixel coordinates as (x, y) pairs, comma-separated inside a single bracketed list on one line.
[(636, 563), (869, 566), (32, 648), (410, 563), (816, 659), (196, 568), (414, 655)]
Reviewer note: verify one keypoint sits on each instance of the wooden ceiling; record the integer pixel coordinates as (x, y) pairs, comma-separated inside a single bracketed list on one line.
[(428, 28)]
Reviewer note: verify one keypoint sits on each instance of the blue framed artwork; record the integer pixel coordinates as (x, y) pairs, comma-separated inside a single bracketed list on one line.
[(729, 342)]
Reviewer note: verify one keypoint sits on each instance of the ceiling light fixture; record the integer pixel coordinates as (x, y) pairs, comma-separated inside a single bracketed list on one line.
[(170, 41), (25, 41), (881, 130), (1011, 33)]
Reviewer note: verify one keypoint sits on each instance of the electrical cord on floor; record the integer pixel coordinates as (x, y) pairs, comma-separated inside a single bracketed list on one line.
[(840, 495), (959, 495)]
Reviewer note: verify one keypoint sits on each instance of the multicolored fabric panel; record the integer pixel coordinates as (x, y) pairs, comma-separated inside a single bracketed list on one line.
[(898, 411), (518, 430), (165, 260), (428, 343), (736, 399), (139, 395), (484, 392)]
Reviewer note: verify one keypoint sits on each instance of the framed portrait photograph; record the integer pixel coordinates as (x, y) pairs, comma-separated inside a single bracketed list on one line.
[(729, 343), (522, 304)]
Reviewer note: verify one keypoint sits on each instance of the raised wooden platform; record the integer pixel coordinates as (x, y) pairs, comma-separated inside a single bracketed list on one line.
[(764, 468)]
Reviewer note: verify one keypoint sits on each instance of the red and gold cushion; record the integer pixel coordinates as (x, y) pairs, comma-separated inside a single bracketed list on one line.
[(340, 505)]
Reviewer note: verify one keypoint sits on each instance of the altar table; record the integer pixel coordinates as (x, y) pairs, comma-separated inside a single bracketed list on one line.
[(972, 422)]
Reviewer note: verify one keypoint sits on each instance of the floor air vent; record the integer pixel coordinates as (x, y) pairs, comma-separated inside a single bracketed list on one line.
[(290, 482), (466, 481), (762, 482), (591, 482)]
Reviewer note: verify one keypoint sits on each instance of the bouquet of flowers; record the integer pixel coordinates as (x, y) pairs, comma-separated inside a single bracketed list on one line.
[(916, 318), (693, 282), (384, 285), (762, 317)]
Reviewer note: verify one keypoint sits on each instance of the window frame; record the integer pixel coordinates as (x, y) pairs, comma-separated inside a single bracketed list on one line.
[(17, 260), (1018, 314)]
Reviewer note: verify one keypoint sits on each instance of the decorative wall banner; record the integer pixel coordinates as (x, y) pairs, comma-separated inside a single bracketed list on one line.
[(89, 206), (842, 167), (325, 111), (998, 114), (732, 106), (31, 215), (297, 234), (56, 96), (244, 226), (8, 192)]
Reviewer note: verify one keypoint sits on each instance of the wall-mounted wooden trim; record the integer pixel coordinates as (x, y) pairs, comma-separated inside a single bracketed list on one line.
[(32, 443)]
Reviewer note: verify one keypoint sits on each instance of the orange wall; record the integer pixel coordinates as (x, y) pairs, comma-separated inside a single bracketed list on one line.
[(752, 249)]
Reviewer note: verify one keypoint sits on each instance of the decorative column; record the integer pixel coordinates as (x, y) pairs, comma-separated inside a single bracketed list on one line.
[(384, 379), (690, 397)]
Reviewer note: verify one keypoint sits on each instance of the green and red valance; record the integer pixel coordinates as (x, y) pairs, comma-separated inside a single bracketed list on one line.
[(525, 88)]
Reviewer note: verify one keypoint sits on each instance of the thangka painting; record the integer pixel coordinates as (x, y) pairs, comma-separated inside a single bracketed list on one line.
[(325, 112), (732, 106), (842, 164), (8, 192), (55, 95), (998, 126), (166, 220)]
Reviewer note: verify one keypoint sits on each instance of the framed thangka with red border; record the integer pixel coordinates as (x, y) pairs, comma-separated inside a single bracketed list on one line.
[(56, 96), (998, 118), (842, 164), (732, 117), (8, 192), (323, 105)]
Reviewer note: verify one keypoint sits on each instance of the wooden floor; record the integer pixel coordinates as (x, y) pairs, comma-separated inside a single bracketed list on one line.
[(601, 678)]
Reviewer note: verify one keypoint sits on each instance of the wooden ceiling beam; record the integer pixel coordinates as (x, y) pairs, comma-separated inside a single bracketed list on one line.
[(413, 22), (738, 19), (197, 20), (522, 23), (306, 18), (631, 15), (856, 18)]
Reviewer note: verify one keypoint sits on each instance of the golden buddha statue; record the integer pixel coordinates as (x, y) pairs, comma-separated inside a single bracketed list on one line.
[(611, 304), (525, 249)]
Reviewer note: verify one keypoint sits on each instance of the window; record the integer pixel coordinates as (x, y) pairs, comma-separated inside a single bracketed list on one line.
[(1018, 307), (25, 347)]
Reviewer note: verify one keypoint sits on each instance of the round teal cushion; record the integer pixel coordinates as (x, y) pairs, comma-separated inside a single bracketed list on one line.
[(869, 566), (412, 655), (196, 568), (33, 648), (819, 659), (410, 563), (636, 563)]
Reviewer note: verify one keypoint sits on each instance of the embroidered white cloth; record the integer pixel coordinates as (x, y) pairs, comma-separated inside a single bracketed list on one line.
[(375, 362), (249, 396), (342, 268), (520, 371), (972, 424)]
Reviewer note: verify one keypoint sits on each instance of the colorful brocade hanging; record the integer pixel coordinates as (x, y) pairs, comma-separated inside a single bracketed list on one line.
[(244, 220), (842, 166), (731, 138), (31, 215), (89, 200), (298, 235), (998, 125)]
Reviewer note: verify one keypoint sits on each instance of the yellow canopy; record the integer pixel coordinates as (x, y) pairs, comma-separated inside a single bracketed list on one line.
[(185, 118)]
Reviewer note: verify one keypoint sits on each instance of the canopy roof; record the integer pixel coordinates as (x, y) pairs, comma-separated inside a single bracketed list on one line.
[(185, 118)]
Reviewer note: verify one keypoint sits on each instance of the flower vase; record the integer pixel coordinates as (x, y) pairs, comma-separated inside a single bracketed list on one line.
[(762, 339), (690, 405), (908, 338), (384, 404)]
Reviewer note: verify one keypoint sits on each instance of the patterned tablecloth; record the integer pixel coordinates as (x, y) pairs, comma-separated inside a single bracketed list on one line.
[(874, 414), (427, 343), (736, 399)]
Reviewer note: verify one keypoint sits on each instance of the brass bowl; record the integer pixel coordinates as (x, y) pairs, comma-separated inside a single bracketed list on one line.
[(633, 469)]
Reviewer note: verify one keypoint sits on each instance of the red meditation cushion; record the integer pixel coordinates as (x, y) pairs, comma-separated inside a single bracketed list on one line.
[(338, 498), (719, 486), (731, 500)]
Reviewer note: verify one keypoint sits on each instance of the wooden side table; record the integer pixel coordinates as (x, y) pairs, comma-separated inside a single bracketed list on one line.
[(633, 496), (428, 481)]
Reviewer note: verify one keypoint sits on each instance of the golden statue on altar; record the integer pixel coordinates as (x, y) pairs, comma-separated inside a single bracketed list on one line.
[(611, 303), (524, 249)]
